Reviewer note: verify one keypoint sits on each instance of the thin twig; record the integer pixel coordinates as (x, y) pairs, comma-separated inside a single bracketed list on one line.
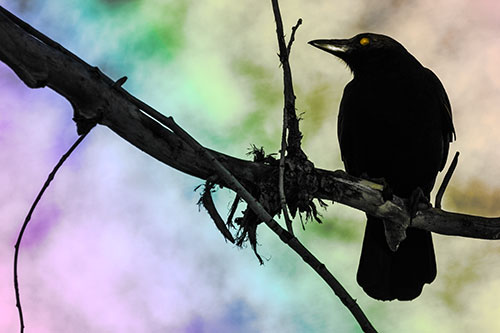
[(281, 182), (292, 36), (208, 203), (28, 218), (446, 180), (285, 236), (232, 211), (294, 135)]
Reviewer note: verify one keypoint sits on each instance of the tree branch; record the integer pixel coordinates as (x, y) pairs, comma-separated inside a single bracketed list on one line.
[(294, 135), (287, 109)]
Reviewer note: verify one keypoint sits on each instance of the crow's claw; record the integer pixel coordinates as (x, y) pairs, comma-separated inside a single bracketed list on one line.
[(418, 201)]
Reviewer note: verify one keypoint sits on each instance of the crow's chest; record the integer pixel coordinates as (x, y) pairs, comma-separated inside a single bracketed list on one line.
[(388, 114), (386, 128)]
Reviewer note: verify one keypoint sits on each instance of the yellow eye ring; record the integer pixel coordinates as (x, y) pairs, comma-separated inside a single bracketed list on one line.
[(364, 41)]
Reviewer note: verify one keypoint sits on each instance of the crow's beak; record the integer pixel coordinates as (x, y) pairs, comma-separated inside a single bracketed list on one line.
[(334, 46)]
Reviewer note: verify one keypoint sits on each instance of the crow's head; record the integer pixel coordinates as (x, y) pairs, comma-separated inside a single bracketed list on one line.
[(368, 53)]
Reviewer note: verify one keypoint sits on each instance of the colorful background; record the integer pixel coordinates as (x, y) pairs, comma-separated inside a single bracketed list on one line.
[(118, 244)]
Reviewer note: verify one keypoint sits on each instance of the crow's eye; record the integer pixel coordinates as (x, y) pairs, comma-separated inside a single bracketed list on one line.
[(364, 41)]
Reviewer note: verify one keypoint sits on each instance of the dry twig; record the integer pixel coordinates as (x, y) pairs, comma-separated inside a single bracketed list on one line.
[(207, 202), (27, 220), (446, 180)]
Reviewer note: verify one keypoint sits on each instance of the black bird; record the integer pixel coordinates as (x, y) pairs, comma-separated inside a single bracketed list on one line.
[(394, 124)]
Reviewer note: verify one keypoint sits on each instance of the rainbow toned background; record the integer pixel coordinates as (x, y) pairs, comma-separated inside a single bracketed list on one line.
[(118, 244)]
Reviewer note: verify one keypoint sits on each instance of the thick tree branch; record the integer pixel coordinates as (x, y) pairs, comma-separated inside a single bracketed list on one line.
[(367, 196), (92, 95)]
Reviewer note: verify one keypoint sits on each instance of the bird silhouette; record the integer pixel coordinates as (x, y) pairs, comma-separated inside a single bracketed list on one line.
[(395, 124)]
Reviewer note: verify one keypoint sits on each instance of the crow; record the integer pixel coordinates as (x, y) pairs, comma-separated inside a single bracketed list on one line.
[(394, 124)]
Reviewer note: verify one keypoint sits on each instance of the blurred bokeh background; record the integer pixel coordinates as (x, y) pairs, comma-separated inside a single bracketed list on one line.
[(118, 244)]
